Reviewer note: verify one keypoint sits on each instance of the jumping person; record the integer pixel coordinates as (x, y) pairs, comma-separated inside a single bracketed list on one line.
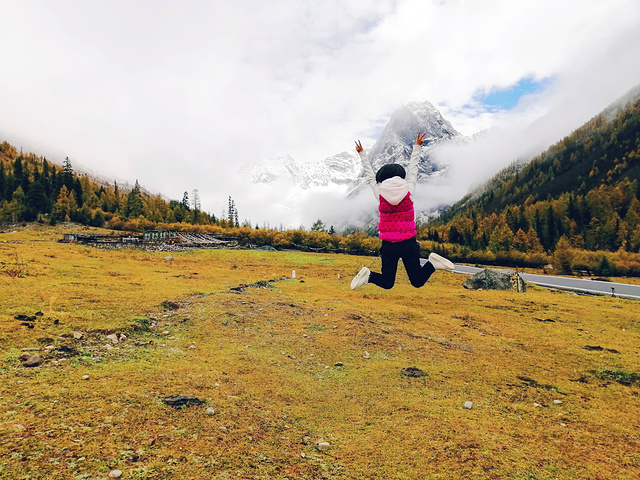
[(392, 187)]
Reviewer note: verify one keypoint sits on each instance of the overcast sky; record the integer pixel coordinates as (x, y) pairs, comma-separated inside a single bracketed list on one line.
[(180, 95)]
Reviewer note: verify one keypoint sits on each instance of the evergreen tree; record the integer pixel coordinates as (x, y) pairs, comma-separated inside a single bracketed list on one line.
[(3, 182), (37, 200), (318, 226), (134, 207), (77, 189), (186, 205), (18, 205), (67, 174)]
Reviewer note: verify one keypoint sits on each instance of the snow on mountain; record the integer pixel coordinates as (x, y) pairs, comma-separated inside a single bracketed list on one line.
[(394, 145), (340, 169)]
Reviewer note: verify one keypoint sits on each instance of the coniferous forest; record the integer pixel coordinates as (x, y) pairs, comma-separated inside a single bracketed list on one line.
[(33, 189), (576, 203)]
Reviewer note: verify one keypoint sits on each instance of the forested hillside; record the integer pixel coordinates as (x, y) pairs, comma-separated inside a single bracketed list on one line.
[(579, 195), (32, 188)]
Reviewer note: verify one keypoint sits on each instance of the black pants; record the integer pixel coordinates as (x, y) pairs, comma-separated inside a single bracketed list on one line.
[(409, 252)]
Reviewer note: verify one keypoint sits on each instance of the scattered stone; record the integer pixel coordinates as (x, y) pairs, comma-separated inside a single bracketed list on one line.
[(77, 335), (413, 372), (222, 428), (557, 402), (495, 279), (182, 400), (366, 355), (545, 320), (211, 411), (338, 364), (122, 337), (468, 405), (45, 340), (323, 446), (168, 258), (115, 474), (33, 361), (26, 356), (85, 377), (49, 348), (113, 337), (191, 347), (38, 314)]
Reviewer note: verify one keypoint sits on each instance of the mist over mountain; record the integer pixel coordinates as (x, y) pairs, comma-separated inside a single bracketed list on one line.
[(393, 146)]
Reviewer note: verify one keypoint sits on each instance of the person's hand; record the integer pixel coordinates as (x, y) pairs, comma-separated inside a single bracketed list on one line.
[(420, 138), (359, 146)]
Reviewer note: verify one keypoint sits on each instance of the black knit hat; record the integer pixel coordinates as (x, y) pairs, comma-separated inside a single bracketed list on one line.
[(390, 170)]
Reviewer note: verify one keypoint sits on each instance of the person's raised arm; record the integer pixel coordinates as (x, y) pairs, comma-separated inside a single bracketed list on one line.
[(412, 171), (369, 176)]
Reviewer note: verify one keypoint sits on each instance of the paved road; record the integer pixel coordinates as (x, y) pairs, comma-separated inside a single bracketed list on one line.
[(576, 284)]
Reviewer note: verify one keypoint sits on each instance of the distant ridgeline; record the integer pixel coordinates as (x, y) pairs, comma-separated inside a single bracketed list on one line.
[(582, 193), (31, 188)]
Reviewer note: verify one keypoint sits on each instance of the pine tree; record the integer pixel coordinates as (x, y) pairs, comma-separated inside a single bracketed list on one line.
[(318, 226), (37, 200), (134, 207), (185, 202)]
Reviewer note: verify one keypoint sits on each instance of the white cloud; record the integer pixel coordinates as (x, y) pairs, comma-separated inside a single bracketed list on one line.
[(180, 95)]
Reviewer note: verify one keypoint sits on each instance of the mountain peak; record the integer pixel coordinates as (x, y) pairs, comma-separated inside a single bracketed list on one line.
[(395, 142)]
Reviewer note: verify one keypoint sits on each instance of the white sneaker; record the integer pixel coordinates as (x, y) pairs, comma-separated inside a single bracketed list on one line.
[(441, 263), (362, 278)]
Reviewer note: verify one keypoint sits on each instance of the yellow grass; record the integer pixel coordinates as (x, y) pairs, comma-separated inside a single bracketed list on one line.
[(264, 358)]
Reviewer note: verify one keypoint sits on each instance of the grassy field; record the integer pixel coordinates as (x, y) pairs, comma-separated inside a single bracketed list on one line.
[(289, 363)]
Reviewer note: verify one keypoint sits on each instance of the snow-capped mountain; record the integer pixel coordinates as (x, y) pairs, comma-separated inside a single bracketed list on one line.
[(394, 145), (396, 141), (340, 169)]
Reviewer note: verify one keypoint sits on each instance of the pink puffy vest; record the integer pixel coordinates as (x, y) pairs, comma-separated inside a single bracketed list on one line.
[(397, 222)]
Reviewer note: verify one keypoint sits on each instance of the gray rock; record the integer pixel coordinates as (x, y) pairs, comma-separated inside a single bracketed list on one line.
[(468, 405), (115, 474), (323, 446), (113, 337), (33, 361), (495, 279)]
